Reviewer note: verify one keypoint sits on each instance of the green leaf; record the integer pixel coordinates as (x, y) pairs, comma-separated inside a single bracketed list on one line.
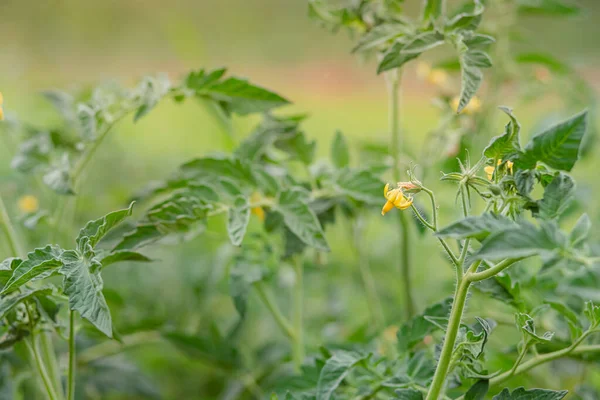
[(478, 390), (507, 143), (340, 154), (569, 315), (532, 394), (414, 331), (547, 7), (580, 231), (526, 325), (88, 122), (95, 230), (477, 41), (592, 313), (502, 288), (468, 21), (394, 58), (423, 42), (39, 264), (471, 78), (432, 9), (476, 227), (214, 349), (558, 146), (558, 195), (83, 284), (150, 91), (523, 241), (360, 185), (8, 303), (380, 35), (124, 255), (408, 394), (524, 181), (6, 269), (58, 177), (63, 103), (300, 219), (233, 94), (237, 220), (335, 370)]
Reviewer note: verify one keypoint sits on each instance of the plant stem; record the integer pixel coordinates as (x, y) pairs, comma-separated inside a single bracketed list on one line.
[(50, 358), (14, 244), (282, 321), (495, 270), (373, 301), (393, 83), (458, 306), (298, 349), (35, 355), (72, 360)]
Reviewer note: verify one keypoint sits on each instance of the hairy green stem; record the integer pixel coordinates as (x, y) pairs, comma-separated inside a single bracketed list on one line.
[(72, 360), (280, 319), (495, 270), (458, 306), (51, 361), (35, 355), (393, 83), (298, 345)]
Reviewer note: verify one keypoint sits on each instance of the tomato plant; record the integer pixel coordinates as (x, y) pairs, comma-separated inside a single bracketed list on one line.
[(520, 246)]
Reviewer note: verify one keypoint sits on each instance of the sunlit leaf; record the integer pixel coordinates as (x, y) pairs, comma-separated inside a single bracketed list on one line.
[(39, 264)]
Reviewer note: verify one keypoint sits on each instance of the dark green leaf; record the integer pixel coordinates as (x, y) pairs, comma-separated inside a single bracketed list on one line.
[(547, 7), (558, 195), (335, 370), (478, 390), (524, 181), (394, 58), (408, 394), (8, 303), (507, 143), (558, 146), (524, 241), (237, 220), (125, 255), (479, 227), (214, 350), (340, 154), (300, 219), (467, 20), (39, 264), (83, 285), (533, 394), (423, 42), (414, 331), (478, 41), (432, 9)]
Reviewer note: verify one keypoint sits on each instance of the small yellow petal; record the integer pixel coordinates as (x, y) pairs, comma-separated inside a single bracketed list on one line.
[(437, 77), (1, 98), (387, 207), (405, 203), (386, 189), (259, 212), (509, 166), (489, 170), (423, 70), (1, 114), (28, 204)]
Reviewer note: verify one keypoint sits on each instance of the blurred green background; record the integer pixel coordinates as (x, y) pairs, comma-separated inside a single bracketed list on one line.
[(71, 44)]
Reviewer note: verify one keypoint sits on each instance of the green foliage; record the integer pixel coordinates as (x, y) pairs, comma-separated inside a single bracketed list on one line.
[(335, 370), (532, 394)]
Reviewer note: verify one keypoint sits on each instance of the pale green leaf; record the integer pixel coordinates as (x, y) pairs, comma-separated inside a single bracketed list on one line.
[(88, 122), (432, 9), (476, 227), (547, 7), (58, 177), (39, 264), (300, 219), (558, 195), (237, 221), (423, 42), (360, 185), (8, 303), (468, 21), (558, 146), (95, 230), (83, 285), (395, 58), (580, 231), (380, 35), (527, 326)]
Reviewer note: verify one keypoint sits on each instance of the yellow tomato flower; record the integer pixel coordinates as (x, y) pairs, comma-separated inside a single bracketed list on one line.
[(437, 77), (1, 110), (28, 204), (473, 107), (395, 198), (489, 170), (258, 211), (423, 70)]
